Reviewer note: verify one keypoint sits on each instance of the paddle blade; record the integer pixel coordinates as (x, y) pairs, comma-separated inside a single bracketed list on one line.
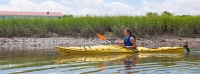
[(101, 36)]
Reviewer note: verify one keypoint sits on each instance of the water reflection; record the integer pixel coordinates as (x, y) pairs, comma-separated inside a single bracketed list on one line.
[(91, 57), (126, 63), (129, 64), (51, 63)]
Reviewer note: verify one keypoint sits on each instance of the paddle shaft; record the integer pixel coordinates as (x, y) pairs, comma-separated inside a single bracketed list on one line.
[(186, 47)]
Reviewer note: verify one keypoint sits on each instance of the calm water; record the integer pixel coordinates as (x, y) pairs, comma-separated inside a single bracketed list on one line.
[(37, 62)]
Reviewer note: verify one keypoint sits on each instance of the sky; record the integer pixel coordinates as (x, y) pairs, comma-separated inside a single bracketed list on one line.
[(104, 7)]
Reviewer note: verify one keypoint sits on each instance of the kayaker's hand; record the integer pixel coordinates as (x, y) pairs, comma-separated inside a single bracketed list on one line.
[(127, 46), (117, 43)]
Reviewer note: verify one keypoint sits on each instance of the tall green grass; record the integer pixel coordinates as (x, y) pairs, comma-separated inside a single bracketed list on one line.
[(88, 26)]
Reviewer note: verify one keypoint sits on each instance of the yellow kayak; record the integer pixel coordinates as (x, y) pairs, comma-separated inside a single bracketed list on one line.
[(115, 49)]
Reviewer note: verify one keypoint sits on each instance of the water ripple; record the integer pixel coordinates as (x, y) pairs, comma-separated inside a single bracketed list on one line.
[(110, 64)]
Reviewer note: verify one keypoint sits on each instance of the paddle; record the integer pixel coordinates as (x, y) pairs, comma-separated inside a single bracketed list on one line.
[(186, 46), (101, 37), (104, 38)]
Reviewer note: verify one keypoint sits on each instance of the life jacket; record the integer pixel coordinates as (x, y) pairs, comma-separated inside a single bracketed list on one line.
[(127, 41)]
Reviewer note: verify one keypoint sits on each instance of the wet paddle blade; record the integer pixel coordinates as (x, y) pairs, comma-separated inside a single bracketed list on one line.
[(101, 36)]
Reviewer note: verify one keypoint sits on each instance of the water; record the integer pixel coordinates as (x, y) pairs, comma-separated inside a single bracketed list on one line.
[(37, 62)]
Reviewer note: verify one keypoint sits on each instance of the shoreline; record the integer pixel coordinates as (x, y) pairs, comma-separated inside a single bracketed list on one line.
[(33, 43)]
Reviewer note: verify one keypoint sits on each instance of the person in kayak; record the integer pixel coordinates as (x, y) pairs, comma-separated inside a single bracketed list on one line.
[(129, 40)]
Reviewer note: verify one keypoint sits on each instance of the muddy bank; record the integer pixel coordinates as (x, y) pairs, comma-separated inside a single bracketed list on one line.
[(19, 43)]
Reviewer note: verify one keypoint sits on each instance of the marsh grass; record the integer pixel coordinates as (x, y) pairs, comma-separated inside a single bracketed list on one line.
[(89, 26)]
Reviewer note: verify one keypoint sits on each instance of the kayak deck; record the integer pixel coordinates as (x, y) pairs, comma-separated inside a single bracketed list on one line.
[(115, 49)]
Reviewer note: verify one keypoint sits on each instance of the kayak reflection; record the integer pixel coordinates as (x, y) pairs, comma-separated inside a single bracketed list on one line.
[(112, 56), (90, 57), (127, 61), (102, 60), (124, 62)]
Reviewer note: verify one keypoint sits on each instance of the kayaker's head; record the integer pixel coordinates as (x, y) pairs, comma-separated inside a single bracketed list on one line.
[(127, 32)]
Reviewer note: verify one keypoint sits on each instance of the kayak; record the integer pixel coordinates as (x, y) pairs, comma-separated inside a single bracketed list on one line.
[(115, 49)]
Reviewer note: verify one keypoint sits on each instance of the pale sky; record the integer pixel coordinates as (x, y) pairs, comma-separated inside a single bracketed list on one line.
[(104, 7)]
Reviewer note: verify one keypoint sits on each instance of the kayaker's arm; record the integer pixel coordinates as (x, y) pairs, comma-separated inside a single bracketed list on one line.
[(122, 42), (133, 42)]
